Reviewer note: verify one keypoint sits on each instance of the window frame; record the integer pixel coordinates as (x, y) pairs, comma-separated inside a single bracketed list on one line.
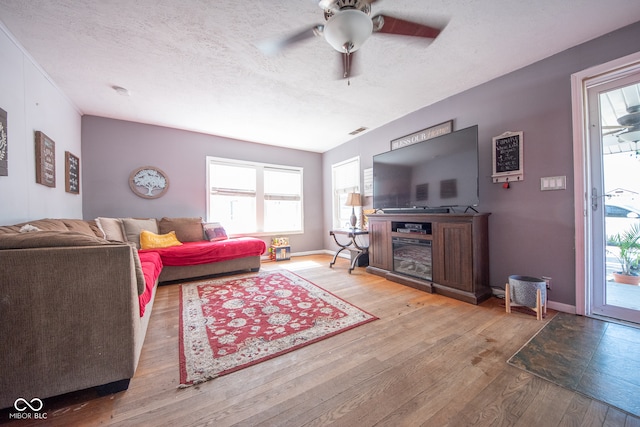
[(260, 198), (337, 192)]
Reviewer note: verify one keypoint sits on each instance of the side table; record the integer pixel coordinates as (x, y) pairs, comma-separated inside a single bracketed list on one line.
[(357, 250)]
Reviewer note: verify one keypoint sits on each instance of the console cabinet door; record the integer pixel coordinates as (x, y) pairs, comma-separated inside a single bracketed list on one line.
[(380, 245), (453, 252)]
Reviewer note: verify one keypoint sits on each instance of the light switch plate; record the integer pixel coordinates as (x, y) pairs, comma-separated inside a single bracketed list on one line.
[(553, 183)]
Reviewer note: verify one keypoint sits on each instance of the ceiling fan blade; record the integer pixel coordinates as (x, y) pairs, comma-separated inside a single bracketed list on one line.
[(390, 25), (631, 119), (275, 45)]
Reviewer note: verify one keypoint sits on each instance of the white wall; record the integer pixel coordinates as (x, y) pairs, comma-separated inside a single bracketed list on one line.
[(33, 103)]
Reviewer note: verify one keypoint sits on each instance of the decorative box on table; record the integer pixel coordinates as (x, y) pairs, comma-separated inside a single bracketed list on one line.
[(280, 249)]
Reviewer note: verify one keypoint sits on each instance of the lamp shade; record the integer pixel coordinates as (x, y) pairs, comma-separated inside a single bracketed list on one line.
[(347, 30), (353, 199)]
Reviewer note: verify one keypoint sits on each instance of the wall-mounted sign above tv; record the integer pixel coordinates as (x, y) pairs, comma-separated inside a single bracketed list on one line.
[(432, 175)]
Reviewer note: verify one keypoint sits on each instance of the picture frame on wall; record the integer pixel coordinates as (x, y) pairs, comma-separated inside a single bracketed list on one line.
[(368, 182), (149, 182), (45, 160), (71, 173), (4, 144)]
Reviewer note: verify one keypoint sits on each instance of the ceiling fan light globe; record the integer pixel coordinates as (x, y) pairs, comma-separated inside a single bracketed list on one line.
[(349, 27)]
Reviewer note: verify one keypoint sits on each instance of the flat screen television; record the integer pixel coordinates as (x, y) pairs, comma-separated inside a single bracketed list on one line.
[(435, 174)]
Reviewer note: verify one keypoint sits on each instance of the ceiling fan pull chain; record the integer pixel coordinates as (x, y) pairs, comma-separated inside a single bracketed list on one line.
[(346, 62), (347, 67)]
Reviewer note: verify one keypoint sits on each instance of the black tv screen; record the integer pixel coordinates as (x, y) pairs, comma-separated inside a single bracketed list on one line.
[(436, 173)]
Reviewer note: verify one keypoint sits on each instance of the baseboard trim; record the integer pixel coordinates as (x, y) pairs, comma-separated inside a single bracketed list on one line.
[(558, 306), (293, 254)]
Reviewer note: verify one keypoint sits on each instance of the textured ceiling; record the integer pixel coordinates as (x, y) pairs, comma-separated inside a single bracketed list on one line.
[(193, 64)]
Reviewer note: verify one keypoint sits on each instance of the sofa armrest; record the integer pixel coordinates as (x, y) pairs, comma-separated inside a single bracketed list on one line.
[(68, 318)]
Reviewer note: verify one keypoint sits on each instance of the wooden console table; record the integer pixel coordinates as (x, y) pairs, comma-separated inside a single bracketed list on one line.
[(356, 250), (460, 252)]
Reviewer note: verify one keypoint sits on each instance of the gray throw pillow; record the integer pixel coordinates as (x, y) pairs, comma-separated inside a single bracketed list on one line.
[(133, 227)]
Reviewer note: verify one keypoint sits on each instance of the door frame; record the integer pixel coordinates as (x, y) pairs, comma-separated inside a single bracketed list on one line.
[(580, 81)]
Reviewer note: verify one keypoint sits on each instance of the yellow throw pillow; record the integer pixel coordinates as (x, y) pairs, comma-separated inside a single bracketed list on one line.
[(149, 240)]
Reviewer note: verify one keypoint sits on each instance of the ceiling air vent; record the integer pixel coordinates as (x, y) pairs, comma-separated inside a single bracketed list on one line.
[(357, 131)]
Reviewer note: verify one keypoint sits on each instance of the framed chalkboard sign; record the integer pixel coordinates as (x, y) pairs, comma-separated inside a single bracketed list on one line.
[(45, 160), (71, 173), (508, 163)]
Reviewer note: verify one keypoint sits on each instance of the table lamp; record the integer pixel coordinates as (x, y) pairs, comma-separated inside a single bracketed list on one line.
[(353, 200)]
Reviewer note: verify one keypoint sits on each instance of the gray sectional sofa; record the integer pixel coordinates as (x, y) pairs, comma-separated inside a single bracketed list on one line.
[(70, 306)]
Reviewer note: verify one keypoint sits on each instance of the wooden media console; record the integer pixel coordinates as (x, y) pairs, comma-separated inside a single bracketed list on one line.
[(452, 252)]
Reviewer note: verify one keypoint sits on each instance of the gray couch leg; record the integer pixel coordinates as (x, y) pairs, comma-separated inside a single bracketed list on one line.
[(255, 270), (114, 387)]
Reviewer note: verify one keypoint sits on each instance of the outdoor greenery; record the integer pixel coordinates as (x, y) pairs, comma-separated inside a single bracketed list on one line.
[(628, 243)]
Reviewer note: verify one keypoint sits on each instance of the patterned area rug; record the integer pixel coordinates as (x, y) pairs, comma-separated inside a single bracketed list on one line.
[(232, 323)]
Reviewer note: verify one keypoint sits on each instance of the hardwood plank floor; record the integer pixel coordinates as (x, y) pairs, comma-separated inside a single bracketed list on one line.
[(429, 360)]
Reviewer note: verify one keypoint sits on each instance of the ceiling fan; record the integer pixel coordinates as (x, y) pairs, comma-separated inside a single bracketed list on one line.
[(629, 129), (632, 123), (348, 25)]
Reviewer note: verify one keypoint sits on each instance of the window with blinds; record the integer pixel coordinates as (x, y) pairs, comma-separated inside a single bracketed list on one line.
[(254, 198), (345, 178)]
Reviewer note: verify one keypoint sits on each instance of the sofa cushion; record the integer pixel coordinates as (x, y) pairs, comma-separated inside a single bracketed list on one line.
[(133, 227), (149, 240), (41, 224), (214, 231), (151, 267), (112, 229), (48, 224), (187, 229), (48, 239), (203, 252), (81, 226)]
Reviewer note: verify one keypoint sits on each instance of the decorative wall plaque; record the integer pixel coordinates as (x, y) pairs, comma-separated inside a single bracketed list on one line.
[(71, 173), (45, 160), (368, 182), (148, 182), (423, 135), (4, 144), (507, 156)]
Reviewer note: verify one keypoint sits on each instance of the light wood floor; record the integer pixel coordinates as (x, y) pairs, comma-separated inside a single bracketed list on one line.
[(429, 360)]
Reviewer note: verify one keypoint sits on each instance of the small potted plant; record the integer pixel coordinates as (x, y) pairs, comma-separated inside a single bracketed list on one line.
[(628, 243)]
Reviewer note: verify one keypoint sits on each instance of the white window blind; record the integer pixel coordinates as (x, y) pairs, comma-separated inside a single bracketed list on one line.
[(345, 179), (254, 198)]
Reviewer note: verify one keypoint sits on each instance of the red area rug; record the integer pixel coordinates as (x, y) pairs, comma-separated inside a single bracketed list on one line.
[(231, 323)]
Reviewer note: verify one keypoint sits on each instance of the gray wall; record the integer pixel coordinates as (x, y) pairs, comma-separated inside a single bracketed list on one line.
[(112, 149), (531, 232), (32, 103)]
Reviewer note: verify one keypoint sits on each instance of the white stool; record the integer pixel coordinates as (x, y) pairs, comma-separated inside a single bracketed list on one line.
[(526, 291)]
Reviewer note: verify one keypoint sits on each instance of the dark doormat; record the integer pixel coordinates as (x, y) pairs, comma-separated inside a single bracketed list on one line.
[(598, 359)]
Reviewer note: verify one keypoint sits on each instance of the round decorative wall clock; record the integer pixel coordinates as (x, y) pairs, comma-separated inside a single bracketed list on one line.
[(148, 182)]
